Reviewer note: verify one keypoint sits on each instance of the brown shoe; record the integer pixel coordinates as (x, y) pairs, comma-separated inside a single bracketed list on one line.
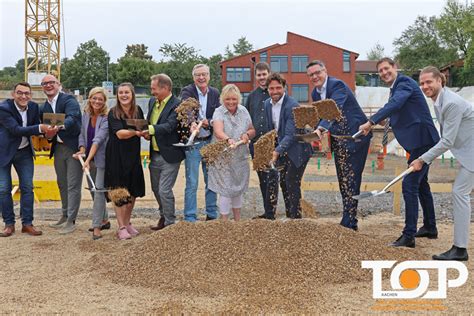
[(31, 230), (8, 231), (161, 224)]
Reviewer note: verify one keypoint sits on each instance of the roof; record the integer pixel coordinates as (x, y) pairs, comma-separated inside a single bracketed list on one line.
[(366, 66)]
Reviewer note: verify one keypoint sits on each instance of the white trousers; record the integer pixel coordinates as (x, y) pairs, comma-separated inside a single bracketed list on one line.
[(226, 204), (462, 187)]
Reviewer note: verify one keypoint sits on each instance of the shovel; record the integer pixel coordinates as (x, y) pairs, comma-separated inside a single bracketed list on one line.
[(190, 141), (88, 174), (234, 145), (357, 135), (384, 190)]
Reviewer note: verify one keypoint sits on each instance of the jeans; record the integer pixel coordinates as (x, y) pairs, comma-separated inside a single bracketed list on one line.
[(192, 162), (23, 164)]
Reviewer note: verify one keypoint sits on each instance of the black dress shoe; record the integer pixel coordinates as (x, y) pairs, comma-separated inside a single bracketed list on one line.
[(102, 227), (404, 241), (455, 253), (208, 218), (263, 216), (161, 224), (423, 232)]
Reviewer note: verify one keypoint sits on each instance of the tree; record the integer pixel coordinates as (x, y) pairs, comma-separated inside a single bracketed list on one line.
[(456, 26), (243, 46), (376, 53), (360, 80), (214, 66), (420, 45), (87, 68), (139, 51), (135, 70)]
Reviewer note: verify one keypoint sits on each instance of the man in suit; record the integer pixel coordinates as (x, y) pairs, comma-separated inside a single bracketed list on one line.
[(414, 130), (255, 104), (19, 120), (349, 154), (290, 155), (208, 98), (456, 118), (65, 141), (165, 158)]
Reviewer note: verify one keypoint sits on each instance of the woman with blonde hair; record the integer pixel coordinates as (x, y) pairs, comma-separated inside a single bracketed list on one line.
[(232, 123), (123, 168), (92, 142)]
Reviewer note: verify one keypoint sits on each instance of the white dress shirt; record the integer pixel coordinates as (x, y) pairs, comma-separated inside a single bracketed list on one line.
[(53, 106), (276, 110), (24, 139), (322, 91), (202, 111)]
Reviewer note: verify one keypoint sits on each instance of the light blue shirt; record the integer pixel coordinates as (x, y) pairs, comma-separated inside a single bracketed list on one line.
[(322, 91), (202, 111)]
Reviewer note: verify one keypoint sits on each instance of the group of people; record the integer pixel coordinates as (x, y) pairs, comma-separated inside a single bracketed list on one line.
[(102, 142)]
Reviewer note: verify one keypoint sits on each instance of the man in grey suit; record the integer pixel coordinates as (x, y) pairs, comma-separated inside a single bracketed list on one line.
[(456, 118)]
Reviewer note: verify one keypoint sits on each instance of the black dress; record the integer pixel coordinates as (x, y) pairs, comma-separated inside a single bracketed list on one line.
[(123, 168)]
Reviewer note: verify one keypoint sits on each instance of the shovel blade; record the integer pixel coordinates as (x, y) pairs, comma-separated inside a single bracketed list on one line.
[(365, 195), (185, 145)]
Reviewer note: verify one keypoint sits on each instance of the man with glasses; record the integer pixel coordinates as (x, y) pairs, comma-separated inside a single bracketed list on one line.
[(65, 143), (349, 154), (19, 120), (208, 98)]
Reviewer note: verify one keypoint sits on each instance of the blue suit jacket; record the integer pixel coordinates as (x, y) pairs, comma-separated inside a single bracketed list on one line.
[(70, 135), (12, 130), (166, 133), (298, 153), (410, 117), (352, 114)]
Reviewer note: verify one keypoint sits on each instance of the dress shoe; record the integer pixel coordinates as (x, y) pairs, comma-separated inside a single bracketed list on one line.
[(423, 232), (67, 228), (263, 216), (102, 227), (96, 237), (60, 223), (8, 231), (31, 230), (132, 230), (161, 224), (404, 241), (455, 253), (208, 218)]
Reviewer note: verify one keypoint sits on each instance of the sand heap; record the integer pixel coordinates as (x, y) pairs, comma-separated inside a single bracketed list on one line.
[(249, 261)]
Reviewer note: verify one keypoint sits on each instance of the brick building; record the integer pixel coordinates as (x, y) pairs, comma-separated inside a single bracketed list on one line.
[(291, 59)]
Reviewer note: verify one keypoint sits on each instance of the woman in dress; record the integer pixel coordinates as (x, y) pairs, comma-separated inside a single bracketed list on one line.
[(123, 168), (92, 142), (230, 180)]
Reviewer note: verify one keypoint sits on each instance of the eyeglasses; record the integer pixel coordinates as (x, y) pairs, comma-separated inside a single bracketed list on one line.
[(316, 73), (203, 74), (46, 83), (23, 94)]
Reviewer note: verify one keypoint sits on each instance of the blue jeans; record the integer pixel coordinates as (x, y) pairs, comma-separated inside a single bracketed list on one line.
[(23, 164), (415, 187), (193, 159)]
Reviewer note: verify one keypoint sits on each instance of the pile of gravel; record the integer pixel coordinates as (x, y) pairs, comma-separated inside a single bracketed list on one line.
[(249, 261)]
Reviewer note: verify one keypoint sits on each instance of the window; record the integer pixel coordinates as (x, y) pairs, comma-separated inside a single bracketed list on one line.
[(300, 92), (298, 63), (346, 62), (263, 57), (245, 95), (238, 74), (279, 63)]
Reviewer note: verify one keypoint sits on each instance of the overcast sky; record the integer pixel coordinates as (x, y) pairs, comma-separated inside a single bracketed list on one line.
[(210, 26)]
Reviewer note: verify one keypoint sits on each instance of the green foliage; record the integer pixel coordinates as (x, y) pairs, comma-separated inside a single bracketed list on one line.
[(88, 67), (420, 45), (360, 80), (214, 65), (243, 46), (139, 51), (377, 52), (135, 70), (456, 26)]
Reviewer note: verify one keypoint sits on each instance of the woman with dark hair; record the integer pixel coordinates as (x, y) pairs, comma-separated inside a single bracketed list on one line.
[(123, 167)]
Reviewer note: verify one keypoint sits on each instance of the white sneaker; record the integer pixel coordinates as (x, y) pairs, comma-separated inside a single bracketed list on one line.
[(67, 228)]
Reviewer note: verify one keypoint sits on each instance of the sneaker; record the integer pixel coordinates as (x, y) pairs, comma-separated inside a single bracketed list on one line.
[(60, 223), (67, 228), (123, 234), (131, 230)]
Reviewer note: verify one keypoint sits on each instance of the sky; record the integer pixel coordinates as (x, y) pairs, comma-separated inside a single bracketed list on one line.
[(210, 25)]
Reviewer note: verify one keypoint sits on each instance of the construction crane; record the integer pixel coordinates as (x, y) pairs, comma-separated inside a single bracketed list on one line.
[(42, 39)]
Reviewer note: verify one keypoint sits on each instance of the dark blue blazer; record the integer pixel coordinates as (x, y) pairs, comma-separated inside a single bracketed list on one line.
[(70, 135), (299, 153), (12, 130), (213, 102), (166, 131), (410, 117), (352, 114)]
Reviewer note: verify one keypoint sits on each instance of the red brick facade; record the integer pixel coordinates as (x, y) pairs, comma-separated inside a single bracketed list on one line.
[(298, 48)]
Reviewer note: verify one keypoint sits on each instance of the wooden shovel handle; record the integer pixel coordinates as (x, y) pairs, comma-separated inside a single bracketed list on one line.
[(398, 178)]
